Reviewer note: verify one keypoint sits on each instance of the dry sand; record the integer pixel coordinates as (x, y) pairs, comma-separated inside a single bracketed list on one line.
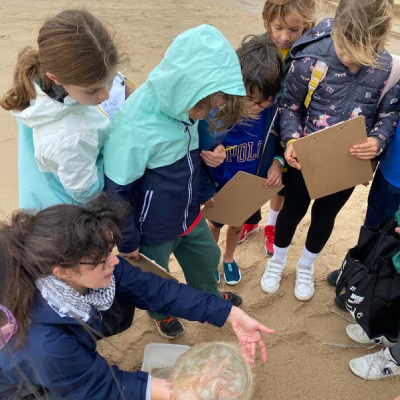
[(300, 365)]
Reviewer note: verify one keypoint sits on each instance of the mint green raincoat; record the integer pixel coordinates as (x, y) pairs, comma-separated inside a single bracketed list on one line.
[(151, 155)]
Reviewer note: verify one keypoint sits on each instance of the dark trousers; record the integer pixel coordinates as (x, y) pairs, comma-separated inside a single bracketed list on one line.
[(297, 201), (253, 220), (383, 201)]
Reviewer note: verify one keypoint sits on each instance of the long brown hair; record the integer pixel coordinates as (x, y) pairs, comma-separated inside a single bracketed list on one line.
[(361, 28), (61, 235), (74, 46)]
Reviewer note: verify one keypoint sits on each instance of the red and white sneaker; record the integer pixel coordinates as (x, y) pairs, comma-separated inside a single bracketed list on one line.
[(248, 229), (269, 233)]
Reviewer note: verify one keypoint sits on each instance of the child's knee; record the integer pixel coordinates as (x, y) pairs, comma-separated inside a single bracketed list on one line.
[(213, 254)]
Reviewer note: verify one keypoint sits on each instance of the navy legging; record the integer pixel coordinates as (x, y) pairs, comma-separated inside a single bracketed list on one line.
[(323, 213)]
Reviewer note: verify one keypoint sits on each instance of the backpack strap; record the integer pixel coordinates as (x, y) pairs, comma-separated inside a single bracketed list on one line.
[(393, 77), (318, 74)]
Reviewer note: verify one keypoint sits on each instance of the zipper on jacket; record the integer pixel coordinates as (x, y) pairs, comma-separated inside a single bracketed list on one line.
[(351, 92), (145, 208), (190, 182), (271, 127)]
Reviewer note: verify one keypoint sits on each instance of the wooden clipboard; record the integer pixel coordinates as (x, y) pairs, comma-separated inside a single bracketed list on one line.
[(326, 163), (147, 265), (239, 199)]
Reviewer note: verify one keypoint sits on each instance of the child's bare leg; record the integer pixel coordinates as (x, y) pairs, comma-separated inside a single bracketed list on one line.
[(232, 238), (215, 231), (276, 203), (275, 206)]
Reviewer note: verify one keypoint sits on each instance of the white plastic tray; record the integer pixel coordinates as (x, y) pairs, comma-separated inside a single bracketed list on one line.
[(161, 355)]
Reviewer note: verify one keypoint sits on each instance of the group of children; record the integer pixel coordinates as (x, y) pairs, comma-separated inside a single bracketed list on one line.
[(154, 153), (338, 71)]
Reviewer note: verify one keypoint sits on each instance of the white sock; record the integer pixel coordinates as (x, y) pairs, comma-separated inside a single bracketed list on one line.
[(307, 258), (272, 216), (280, 254)]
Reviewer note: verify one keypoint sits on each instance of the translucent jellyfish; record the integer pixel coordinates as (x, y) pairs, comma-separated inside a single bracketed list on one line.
[(212, 371)]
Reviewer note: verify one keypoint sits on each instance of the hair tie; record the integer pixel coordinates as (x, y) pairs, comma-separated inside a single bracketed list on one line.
[(8, 330)]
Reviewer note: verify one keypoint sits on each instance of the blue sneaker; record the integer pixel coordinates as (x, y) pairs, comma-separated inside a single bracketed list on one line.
[(232, 273), (217, 276)]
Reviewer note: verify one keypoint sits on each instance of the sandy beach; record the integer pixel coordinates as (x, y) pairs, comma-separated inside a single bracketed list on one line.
[(301, 365)]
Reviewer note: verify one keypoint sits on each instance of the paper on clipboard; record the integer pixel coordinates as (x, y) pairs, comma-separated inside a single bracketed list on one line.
[(239, 199), (326, 163), (147, 265), (117, 97)]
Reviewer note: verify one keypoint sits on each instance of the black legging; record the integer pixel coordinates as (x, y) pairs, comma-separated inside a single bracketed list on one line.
[(323, 213)]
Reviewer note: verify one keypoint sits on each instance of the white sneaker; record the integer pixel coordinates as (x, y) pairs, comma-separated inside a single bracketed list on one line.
[(356, 333), (304, 286), (375, 366), (272, 276)]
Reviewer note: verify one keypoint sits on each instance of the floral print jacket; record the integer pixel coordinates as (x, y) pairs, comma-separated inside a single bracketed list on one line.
[(340, 96)]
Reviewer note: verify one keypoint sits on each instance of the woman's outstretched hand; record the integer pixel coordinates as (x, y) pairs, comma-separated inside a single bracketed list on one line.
[(249, 333)]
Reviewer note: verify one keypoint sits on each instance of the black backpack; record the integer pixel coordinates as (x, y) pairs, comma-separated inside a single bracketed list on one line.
[(371, 283)]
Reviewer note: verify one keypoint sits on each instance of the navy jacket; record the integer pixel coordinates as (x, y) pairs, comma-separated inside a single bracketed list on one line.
[(341, 96), (164, 201), (269, 148), (61, 355)]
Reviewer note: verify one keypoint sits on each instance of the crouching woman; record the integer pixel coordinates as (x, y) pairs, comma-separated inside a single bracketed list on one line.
[(65, 289)]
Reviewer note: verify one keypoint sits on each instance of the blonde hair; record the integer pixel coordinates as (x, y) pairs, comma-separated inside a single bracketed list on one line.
[(361, 28), (305, 9), (235, 109), (74, 46)]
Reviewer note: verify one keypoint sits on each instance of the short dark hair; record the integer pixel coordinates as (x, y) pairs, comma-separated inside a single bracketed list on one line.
[(262, 65)]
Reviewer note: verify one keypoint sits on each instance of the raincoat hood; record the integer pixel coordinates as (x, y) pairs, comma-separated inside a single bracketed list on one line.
[(44, 110), (198, 63)]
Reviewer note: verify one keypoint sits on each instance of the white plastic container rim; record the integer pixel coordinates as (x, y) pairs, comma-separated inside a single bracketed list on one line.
[(161, 355)]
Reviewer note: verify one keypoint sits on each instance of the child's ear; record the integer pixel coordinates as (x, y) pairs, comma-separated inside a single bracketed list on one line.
[(53, 78), (63, 273)]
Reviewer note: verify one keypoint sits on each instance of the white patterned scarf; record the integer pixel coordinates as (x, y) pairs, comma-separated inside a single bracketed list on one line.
[(67, 302)]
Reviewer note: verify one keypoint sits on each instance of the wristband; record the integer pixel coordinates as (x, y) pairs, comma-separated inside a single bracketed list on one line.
[(290, 141), (280, 159)]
